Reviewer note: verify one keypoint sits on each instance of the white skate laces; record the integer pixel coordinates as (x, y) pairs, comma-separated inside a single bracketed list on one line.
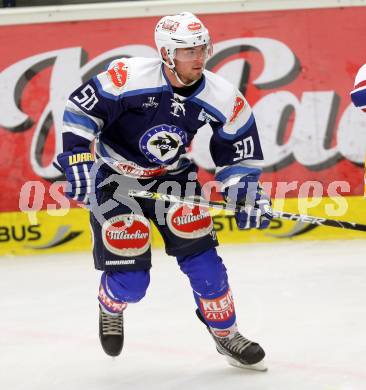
[(112, 324), (230, 339), (238, 350), (236, 344), (241, 352)]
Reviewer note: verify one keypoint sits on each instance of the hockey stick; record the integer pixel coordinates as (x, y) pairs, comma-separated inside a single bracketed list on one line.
[(229, 207), (193, 201)]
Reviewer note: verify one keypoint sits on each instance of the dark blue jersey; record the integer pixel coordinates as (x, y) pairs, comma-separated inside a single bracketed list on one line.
[(141, 128)]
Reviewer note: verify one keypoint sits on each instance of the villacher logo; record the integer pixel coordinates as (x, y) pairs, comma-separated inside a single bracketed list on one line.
[(189, 221), (126, 235)]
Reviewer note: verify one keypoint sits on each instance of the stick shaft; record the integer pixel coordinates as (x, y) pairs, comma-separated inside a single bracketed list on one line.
[(320, 221)]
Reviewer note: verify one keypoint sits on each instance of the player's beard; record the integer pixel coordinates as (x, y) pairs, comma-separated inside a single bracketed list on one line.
[(191, 76)]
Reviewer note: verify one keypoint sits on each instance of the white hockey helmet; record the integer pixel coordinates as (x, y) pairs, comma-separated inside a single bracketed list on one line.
[(180, 31)]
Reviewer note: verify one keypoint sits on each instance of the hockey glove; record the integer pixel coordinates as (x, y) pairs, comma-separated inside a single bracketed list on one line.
[(77, 165), (255, 209)]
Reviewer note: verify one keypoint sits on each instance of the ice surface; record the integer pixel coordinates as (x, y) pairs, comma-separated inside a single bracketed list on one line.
[(304, 302)]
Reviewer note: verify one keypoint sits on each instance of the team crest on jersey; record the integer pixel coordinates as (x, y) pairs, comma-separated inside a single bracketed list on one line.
[(189, 221), (126, 235), (118, 74), (160, 144)]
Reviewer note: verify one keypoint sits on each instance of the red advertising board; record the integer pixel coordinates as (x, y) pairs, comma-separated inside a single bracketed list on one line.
[(296, 69)]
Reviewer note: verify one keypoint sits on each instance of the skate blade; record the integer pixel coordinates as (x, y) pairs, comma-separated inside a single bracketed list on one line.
[(256, 367)]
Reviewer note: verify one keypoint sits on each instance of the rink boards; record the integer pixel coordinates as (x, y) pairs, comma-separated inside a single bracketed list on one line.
[(313, 138), (24, 233)]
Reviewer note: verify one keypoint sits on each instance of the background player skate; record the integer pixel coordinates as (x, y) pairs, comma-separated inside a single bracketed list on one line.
[(142, 114)]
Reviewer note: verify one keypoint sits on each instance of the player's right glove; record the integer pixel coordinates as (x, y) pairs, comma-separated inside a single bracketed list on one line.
[(77, 165), (255, 207)]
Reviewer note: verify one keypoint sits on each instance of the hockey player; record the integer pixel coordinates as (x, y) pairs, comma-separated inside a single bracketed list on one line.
[(358, 96), (141, 115)]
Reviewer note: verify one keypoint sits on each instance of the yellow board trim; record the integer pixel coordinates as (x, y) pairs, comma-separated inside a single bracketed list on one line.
[(68, 230)]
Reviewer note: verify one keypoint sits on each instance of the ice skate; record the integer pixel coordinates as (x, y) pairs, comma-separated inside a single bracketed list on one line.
[(111, 332), (239, 351)]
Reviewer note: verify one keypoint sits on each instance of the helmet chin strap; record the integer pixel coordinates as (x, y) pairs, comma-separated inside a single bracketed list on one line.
[(171, 67), (179, 80)]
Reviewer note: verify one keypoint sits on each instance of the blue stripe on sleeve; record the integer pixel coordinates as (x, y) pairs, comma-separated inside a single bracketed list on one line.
[(74, 119), (236, 171), (250, 122)]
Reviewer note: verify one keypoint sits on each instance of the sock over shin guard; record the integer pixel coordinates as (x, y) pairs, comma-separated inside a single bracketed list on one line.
[(209, 281)]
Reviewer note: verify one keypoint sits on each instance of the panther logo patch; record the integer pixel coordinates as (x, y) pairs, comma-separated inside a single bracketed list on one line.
[(161, 144)]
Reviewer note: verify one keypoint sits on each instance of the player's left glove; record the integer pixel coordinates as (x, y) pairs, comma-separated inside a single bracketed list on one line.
[(77, 165), (255, 209)]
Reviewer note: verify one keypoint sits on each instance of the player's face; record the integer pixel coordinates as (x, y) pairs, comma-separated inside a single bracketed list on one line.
[(190, 62)]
